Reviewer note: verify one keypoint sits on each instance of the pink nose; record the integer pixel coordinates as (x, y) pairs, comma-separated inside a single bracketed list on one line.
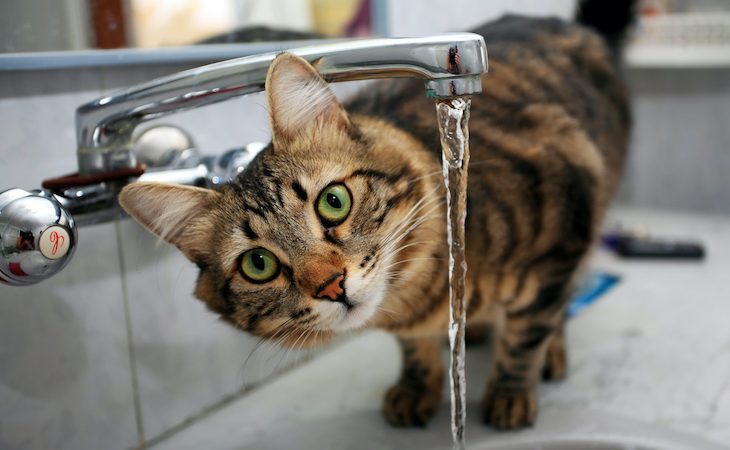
[(333, 288)]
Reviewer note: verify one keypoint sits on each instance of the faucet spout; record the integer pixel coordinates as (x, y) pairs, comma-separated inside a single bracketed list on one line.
[(450, 65)]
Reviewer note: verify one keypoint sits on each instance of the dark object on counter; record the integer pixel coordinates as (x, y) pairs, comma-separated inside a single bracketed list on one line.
[(260, 34), (636, 247)]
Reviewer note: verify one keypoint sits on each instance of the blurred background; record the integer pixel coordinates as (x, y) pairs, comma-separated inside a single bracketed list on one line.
[(115, 353), (51, 25)]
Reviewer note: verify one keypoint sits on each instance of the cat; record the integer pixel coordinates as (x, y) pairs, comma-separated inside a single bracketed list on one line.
[(339, 224)]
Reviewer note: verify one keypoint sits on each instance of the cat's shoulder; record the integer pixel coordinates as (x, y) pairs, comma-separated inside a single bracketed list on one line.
[(518, 29)]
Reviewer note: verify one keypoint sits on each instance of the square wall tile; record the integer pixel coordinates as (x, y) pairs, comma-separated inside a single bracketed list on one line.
[(37, 121)]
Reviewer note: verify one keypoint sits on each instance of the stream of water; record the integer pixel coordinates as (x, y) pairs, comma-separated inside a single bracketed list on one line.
[(453, 121)]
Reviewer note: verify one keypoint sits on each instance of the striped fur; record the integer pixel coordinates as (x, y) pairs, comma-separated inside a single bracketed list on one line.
[(548, 138)]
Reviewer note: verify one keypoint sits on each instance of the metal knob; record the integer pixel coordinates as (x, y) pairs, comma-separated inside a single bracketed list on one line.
[(37, 236)]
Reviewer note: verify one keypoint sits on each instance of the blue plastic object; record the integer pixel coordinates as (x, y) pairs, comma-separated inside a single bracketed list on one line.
[(590, 290)]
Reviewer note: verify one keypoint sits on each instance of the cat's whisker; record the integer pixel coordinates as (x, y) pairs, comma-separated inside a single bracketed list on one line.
[(417, 207), (410, 244), (288, 331), (435, 173), (425, 258), (408, 225), (290, 351), (291, 348), (280, 336), (407, 246), (415, 225), (393, 269), (483, 161), (389, 313), (397, 234), (385, 310), (408, 275), (265, 342), (242, 369), (278, 345), (401, 274), (297, 351)]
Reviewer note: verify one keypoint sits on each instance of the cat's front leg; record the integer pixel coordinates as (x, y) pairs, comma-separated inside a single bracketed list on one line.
[(521, 344), (414, 400), (556, 359)]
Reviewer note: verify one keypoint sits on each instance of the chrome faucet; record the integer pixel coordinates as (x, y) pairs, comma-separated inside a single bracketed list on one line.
[(451, 65)]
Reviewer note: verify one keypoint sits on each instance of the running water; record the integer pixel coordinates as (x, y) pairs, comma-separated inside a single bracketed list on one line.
[(453, 121)]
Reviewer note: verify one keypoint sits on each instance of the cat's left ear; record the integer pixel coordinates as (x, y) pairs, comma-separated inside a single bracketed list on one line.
[(300, 98)]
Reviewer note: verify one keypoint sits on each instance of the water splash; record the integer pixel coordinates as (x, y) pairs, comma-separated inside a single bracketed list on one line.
[(453, 121)]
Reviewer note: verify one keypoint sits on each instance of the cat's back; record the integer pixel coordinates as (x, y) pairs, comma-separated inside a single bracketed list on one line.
[(533, 62), (555, 64), (548, 135)]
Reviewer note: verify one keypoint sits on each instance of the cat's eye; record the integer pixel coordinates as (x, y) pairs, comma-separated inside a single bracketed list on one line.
[(259, 265), (333, 204)]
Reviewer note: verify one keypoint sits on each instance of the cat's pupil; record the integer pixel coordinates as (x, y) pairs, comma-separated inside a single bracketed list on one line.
[(258, 262), (334, 201)]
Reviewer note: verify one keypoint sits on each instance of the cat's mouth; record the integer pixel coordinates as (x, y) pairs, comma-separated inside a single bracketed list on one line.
[(352, 316), (356, 309), (345, 301)]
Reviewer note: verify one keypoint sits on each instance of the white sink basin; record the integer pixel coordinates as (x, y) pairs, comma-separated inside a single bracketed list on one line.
[(556, 430)]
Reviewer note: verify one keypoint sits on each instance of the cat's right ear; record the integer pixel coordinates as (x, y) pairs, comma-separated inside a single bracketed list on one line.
[(173, 212)]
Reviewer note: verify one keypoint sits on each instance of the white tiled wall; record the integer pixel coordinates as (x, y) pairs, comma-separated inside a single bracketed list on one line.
[(66, 372), (680, 154)]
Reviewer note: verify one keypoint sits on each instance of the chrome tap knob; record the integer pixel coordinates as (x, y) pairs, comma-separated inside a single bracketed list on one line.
[(37, 236)]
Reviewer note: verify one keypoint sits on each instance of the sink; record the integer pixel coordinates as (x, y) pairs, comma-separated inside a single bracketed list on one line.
[(555, 430)]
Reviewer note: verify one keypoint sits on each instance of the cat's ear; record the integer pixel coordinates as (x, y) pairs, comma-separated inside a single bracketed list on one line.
[(173, 212), (299, 98)]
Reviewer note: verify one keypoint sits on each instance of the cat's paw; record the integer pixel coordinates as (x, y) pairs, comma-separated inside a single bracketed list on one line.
[(556, 363), (406, 406), (509, 408)]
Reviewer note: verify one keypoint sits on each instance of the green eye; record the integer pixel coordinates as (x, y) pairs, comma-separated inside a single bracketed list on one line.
[(334, 204), (259, 265)]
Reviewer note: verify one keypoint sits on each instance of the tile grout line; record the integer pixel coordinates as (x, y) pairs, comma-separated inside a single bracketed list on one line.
[(130, 341), (222, 403), (236, 395)]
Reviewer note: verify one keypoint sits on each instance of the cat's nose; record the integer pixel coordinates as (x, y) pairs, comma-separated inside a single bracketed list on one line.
[(333, 288)]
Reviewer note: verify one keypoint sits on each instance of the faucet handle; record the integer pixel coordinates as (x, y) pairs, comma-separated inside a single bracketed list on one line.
[(37, 236)]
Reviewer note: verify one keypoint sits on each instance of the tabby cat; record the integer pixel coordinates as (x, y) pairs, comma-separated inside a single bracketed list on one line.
[(339, 224)]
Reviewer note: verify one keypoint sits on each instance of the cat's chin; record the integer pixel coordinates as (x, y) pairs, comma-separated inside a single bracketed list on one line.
[(354, 317)]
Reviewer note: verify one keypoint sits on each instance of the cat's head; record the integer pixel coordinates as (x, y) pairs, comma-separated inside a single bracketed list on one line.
[(325, 230)]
